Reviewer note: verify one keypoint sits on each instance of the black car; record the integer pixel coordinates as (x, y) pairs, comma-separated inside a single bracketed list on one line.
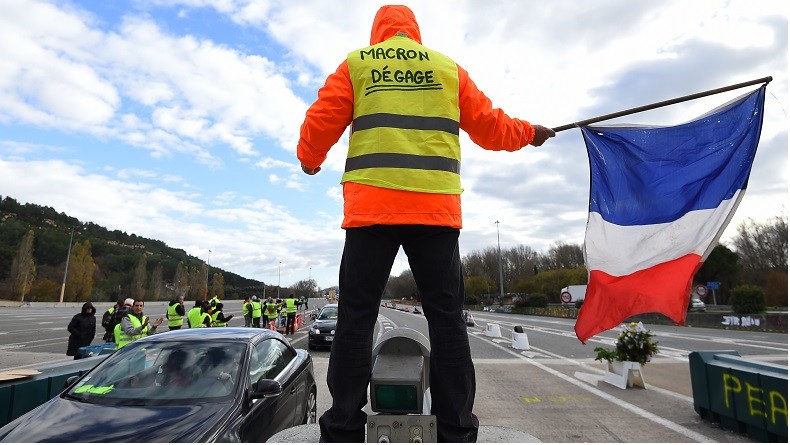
[(190, 385), (322, 331)]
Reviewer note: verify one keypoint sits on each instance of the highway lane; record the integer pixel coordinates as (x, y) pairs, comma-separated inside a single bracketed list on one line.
[(554, 390)]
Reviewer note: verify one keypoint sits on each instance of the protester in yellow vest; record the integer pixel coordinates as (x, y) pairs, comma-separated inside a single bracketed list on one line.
[(175, 313), (218, 319), (271, 314), (195, 315), (256, 311), (290, 314), (136, 325), (246, 310)]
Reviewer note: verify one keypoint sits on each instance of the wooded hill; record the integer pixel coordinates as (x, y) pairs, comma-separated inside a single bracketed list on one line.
[(104, 264)]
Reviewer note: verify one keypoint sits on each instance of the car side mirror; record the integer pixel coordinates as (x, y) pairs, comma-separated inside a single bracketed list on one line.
[(70, 381), (266, 388)]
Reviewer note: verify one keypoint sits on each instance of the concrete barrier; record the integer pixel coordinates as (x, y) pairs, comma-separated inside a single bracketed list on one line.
[(740, 395), (493, 330)]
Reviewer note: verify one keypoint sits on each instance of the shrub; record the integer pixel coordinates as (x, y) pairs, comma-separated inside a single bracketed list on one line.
[(537, 300), (748, 299), (579, 303), (634, 344), (471, 300)]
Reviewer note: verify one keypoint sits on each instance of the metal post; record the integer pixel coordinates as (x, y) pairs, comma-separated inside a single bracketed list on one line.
[(499, 254), (66, 272), (661, 104), (279, 267), (208, 266)]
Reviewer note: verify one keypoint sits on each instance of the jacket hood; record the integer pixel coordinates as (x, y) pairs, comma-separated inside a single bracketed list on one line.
[(391, 20), (88, 308)]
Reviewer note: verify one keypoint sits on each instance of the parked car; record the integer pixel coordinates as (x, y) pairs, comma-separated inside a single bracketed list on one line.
[(696, 305), (468, 319), (322, 331), (190, 385)]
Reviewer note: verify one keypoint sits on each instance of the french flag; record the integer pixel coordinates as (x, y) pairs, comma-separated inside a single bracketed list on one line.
[(660, 198)]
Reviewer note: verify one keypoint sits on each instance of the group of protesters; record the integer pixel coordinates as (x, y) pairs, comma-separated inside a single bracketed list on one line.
[(280, 315)]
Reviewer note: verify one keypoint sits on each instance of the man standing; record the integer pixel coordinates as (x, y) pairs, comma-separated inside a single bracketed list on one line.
[(175, 313), (401, 187), (246, 310), (256, 311), (136, 325), (290, 314)]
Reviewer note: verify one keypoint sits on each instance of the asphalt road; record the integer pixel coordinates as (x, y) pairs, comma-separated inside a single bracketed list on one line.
[(553, 391)]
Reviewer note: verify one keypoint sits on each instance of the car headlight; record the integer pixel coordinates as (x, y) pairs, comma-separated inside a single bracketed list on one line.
[(333, 332)]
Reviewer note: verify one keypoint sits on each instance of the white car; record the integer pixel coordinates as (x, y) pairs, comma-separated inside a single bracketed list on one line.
[(696, 305)]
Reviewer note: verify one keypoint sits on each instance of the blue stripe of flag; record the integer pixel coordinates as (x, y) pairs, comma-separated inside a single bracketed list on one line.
[(653, 175)]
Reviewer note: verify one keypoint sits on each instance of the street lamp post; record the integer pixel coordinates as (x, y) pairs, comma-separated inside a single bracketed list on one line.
[(66, 272), (499, 254), (279, 268), (208, 266)]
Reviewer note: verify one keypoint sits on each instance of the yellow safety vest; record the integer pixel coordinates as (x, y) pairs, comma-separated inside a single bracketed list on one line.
[(406, 118), (290, 306), (215, 322), (173, 319), (256, 309), (122, 338), (271, 311), (244, 309), (195, 316)]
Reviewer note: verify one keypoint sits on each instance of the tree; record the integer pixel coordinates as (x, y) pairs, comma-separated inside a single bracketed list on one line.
[(305, 287), (155, 285), (722, 265), (762, 248), (140, 278), (550, 282), (23, 268), (181, 280), (217, 285), (563, 256), (79, 278), (401, 286), (475, 286)]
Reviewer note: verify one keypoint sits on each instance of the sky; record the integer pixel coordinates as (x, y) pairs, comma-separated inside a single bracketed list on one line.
[(177, 120)]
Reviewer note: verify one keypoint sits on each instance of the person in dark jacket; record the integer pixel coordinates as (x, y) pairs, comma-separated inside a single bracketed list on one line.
[(82, 329), (108, 320)]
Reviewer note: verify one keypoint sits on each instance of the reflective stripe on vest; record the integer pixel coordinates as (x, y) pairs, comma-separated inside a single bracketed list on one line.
[(290, 305), (406, 118), (173, 319)]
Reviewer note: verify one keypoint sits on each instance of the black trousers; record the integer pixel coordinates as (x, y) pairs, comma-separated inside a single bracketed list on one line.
[(435, 261), (290, 323)]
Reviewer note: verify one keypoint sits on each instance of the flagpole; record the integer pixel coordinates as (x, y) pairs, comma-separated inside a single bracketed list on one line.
[(661, 104)]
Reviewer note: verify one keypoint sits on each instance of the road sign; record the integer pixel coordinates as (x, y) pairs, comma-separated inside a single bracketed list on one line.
[(713, 285), (565, 297), (701, 290)]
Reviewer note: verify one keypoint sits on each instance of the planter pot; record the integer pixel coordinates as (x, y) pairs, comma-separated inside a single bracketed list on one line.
[(624, 374)]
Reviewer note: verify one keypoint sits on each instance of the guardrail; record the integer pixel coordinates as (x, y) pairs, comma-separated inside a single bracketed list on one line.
[(740, 395), (20, 395), (768, 322)]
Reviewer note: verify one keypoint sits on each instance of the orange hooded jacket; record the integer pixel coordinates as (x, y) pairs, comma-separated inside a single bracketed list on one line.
[(332, 112)]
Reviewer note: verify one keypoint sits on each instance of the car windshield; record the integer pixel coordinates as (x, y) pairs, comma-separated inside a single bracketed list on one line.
[(328, 313), (164, 373)]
